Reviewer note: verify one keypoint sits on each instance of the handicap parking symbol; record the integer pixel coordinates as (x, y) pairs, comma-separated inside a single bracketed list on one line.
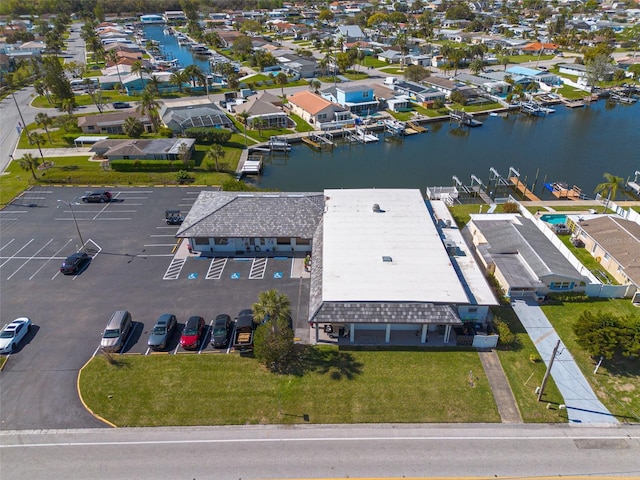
[(235, 276), (192, 276), (277, 275)]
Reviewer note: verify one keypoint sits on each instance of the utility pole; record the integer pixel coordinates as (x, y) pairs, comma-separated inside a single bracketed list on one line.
[(546, 374)]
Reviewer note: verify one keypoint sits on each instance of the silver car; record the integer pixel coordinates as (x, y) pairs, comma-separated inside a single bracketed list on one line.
[(116, 332), (162, 331)]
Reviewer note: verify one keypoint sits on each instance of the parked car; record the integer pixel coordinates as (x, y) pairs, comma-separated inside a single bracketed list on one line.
[(13, 333), (245, 326), (221, 331), (192, 333), (115, 334), (99, 196), (162, 331), (75, 263), (119, 105)]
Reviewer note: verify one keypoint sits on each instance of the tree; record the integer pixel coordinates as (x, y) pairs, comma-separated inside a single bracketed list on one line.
[(504, 61), (133, 127), (56, 79), (215, 153), (29, 163), (458, 97), (149, 106), (178, 79), (195, 74), (138, 67), (325, 15), (282, 79), (598, 68), (273, 340), (610, 187), (154, 84), (243, 117), (242, 45), (603, 334), (315, 85), (476, 66), (259, 124), (45, 121), (112, 56), (415, 73)]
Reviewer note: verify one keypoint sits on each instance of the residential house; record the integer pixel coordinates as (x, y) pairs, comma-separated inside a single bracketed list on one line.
[(390, 56), (180, 115), (358, 99), (535, 75), (267, 108), (349, 33), (441, 84), (318, 111), (419, 93), (147, 149), (520, 257), (111, 123), (541, 48)]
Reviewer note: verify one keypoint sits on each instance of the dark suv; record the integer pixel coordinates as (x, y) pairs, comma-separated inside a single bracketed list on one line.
[(99, 196), (119, 105)]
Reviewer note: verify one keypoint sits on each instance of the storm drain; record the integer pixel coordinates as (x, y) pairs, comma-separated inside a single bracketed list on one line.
[(216, 268)]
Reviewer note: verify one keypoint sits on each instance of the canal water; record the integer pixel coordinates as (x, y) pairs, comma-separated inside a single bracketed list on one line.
[(573, 146), (170, 47)]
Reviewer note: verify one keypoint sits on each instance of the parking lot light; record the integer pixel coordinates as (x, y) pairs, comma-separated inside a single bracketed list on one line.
[(73, 215)]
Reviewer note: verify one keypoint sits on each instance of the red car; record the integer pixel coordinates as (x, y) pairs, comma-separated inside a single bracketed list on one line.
[(192, 333)]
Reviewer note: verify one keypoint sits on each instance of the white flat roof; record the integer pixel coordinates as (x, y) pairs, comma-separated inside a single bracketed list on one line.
[(356, 239)]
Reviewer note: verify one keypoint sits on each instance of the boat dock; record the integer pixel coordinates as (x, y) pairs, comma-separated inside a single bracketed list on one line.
[(319, 141), (622, 99), (523, 189), (464, 118), (562, 191), (416, 127), (249, 164), (573, 103), (361, 135)]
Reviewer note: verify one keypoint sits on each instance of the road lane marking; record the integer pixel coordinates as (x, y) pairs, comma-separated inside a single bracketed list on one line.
[(9, 243)]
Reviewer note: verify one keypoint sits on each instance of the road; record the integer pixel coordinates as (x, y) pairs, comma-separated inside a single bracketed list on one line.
[(339, 451)]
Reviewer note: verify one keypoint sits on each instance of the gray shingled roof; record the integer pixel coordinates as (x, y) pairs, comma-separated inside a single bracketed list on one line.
[(522, 237), (238, 214), (384, 312)]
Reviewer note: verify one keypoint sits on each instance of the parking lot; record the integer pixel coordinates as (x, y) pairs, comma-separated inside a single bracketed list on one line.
[(137, 265)]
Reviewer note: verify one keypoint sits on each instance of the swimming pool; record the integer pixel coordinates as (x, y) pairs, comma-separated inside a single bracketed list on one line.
[(554, 219)]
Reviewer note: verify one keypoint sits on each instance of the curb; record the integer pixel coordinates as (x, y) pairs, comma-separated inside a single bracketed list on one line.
[(86, 407)]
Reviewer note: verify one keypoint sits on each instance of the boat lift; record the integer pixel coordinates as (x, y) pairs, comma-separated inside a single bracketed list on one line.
[(634, 186)]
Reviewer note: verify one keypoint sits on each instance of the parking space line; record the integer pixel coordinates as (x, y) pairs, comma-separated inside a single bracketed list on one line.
[(174, 269), (162, 235), (8, 243), (9, 258), (50, 258), (158, 245), (215, 268), (258, 268), (185, 204), (2, 212), (148, 350), (177, 347), (175, 227), (29, 259), (204, 342)]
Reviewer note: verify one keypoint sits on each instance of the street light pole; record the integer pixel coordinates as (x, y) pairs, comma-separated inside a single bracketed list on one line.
[(75, 221)]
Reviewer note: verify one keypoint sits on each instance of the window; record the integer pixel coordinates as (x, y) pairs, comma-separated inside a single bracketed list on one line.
[(284, 241), (302, 241), (221, 241), (202, 241), (91, 127), (365, 94), (607, 257)]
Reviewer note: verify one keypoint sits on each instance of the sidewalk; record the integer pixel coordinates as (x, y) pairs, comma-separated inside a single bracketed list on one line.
[(582, 404), (54, 152), (502, 394)]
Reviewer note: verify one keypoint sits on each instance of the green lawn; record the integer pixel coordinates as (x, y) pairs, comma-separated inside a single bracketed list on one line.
[(617, 383), (354, 75), (572, 93), (524, 375), (108, 96), (258, 137), (301, 125), (477, 108), (529, 58), (586, 259), (393, 70), (370, 61), (332, 386)]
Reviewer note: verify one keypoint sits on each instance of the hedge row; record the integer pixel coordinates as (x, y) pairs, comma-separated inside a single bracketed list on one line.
[(150, 165), (208, 135)]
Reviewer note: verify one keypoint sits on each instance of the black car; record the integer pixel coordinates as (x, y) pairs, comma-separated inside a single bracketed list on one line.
[(120, 105), (221, 331), (162, 331), (74, 263), (99, 196)]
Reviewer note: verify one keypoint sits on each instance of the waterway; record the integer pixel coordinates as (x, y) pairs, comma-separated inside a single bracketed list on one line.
[(575, 146), (170, 47)]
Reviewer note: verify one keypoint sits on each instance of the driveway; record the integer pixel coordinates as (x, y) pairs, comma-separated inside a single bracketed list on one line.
[(582, 404)]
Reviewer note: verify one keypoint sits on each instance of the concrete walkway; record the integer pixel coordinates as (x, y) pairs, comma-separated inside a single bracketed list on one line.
[(582, 404), (53, 152), (502, 394)]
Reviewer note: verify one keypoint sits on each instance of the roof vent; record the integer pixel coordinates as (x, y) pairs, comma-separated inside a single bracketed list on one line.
[(387, 259)]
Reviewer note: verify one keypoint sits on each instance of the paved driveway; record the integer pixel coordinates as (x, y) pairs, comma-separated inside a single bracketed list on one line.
[(132, 268), (582, 404)]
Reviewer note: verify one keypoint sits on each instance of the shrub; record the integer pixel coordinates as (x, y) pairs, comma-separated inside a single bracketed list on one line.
[(183, 177), (208, 134), (146, 165), (507, 338), (166, 132), (534, 358), (510, 207)]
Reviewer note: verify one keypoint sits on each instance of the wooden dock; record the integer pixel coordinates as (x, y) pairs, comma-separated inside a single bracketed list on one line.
[(416, 127), (573, 103), (561, 191), (522, 188)]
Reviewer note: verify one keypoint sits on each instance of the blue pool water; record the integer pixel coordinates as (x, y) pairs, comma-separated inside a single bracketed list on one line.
[(554, 219)]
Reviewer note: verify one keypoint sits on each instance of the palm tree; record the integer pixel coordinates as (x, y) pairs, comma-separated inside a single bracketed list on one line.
[(154, 84), (138, 67), (42, 90), (67, 105), (215, 153), (179, 78), (149, 106), (29, 163), (45, 121), (195, 74), (476, 66), (315, 85), (112, 56), (273, 307), (281, 79), (609, 188), (244, 117)]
